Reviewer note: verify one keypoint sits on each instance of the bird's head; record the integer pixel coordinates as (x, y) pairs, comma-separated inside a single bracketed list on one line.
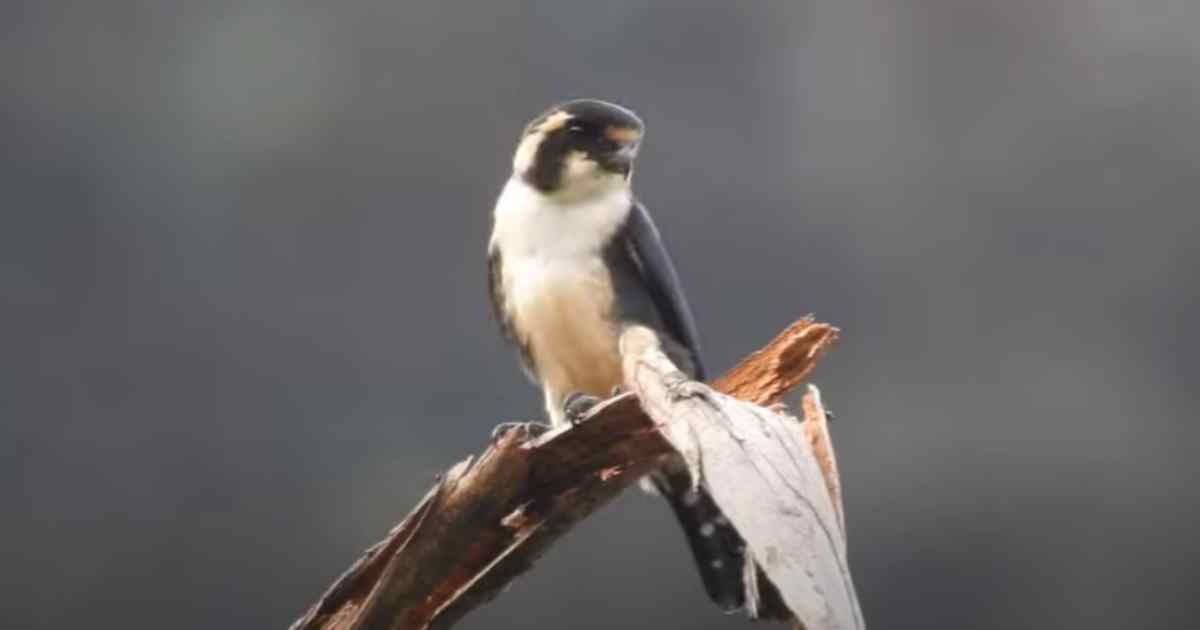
[(579, 148)]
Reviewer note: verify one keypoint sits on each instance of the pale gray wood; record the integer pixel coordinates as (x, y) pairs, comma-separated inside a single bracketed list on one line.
[(761, 470)]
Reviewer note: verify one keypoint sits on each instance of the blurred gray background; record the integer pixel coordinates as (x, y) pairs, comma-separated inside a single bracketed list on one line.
[(244, 319)]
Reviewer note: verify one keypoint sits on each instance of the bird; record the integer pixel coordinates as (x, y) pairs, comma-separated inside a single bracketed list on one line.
[(573, 259)]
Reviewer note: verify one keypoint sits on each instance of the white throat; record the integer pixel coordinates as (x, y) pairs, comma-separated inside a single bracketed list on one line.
[(529, 223)]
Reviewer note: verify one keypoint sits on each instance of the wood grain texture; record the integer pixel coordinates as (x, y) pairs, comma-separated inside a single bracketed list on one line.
[(760, 467), (770, 372)]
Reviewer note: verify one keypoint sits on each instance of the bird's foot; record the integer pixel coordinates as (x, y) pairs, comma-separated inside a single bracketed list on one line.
[(532, 429), (577, 405), (679, 387)]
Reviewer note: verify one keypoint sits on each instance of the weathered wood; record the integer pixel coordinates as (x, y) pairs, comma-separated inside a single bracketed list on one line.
[(767, 374), (760, 468), (816, 429), (489, 518)]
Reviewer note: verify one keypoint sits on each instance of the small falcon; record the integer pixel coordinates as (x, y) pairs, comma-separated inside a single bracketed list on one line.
[(573, 258)]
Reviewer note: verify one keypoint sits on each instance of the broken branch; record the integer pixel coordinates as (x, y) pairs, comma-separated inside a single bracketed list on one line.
[(490, 517)]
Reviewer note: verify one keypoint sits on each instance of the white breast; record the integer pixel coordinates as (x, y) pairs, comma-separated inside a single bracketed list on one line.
[(545, 243), (530, 223), (557, 290)]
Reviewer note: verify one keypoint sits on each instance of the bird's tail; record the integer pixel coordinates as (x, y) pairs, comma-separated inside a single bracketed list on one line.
[(716, 545)]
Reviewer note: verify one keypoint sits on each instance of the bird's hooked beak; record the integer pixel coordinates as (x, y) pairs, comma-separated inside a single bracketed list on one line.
[(627, 152), (628, 140)]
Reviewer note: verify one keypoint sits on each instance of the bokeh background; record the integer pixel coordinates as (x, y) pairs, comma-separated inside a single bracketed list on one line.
[(244, 319)]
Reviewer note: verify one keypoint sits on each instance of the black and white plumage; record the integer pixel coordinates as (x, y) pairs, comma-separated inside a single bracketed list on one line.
[(573, 258)]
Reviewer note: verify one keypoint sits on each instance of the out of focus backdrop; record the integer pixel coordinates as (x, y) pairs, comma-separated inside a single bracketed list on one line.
[(243, 319)]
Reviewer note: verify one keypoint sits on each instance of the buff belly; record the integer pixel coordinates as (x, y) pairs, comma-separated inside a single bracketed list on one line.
[(563, 314)]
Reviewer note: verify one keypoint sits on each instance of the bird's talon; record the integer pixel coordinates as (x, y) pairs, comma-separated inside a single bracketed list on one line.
[(577, 405), (531, 429), (684, 387)]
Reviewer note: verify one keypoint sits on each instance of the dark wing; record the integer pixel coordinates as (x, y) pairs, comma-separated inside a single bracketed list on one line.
[(715, 544), (496, 294), (657, 271), (496, 291)]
